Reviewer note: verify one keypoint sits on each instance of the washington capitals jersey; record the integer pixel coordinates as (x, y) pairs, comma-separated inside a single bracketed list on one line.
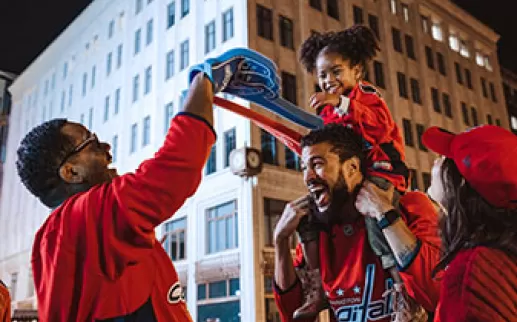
[(352, 275)]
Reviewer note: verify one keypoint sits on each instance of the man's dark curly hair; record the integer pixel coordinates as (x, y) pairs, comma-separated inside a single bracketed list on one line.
[(39, 155), (357, 44), (346, 143)]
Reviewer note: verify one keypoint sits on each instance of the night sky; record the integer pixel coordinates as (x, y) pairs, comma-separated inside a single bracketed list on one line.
[(28, 26)]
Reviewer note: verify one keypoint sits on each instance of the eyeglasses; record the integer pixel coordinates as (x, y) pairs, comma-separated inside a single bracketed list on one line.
[(79, 147)]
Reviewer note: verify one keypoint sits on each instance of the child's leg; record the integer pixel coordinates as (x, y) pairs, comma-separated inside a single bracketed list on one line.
[(311, 278)]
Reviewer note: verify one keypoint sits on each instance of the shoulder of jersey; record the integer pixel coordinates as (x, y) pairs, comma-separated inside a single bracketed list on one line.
[(369, 89)]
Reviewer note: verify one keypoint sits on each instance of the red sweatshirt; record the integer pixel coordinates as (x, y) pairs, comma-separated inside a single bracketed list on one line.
[(96, 256), (480, 284), (367, 113), (352, 275)]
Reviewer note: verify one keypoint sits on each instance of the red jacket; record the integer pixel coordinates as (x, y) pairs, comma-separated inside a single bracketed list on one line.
[(96, 256), (367, 113), (352, 275), (5, 303), (480, 284)]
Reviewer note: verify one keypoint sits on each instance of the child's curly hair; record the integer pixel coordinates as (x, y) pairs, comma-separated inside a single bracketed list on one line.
[(357, 44)]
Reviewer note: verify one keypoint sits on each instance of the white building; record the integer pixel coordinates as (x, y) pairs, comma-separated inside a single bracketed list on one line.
[(120, 68)]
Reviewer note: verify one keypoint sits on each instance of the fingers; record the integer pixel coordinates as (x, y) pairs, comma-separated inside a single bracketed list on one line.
[(301, 202)]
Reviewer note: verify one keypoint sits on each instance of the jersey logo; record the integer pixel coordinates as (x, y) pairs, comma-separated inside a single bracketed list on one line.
[(369, 89), (175, 294), (367, 310)]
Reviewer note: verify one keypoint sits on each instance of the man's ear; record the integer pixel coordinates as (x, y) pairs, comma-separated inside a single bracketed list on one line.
[(71, 173), (351, 167)]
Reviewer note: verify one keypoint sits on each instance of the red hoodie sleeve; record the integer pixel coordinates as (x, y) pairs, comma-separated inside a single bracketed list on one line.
[(422, 219), (479, 285), (114, 223)]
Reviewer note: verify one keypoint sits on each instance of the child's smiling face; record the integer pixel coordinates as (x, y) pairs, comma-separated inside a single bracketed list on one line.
[(334, 73)]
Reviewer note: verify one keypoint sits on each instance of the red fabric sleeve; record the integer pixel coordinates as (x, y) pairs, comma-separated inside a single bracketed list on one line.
[(422, 219), (115, 222), (479, 285), (5, 304)]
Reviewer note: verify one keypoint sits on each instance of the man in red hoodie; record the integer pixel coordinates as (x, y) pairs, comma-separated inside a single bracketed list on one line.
[(96, 257)]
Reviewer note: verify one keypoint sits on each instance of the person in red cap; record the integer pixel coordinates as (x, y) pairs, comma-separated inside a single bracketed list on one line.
[(475, 184)]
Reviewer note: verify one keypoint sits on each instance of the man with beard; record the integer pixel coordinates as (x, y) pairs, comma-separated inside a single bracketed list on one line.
[(96, 257), (339, 199)]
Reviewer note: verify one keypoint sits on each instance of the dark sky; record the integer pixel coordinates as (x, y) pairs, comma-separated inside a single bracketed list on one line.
[(28, 26)]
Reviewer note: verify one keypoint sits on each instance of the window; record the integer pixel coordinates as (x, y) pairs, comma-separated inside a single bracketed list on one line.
[(358, 15), (401, 79), (136, 85), (175, 242), (264, 22), (465, 113), (85, 81), (94, 71), (90, 118), (138, 6), (447, 105), (435, 97), (468, 77), (111, 28), (149, 33), (316, 4), (268, 144), (498, 122), (464, 50), (272, 313), (513, 122), (441, 64), (211, 165), (483, 87), (480, 61), (106, 108), (209, 37), (146, 133), (454, 43), (379, 74), (171, 14), (148, 80), (405, 12), (134, 129), (373, 21), (185, 7), (333, 9), (70, 95), (169, 113), (426, 179), (219, 301), (184, 54), (108, 64), (273, 209), (14, 284), (436, 31), (286, 32), (429, 57), (409, 47), (138, 34), (65, 70), (415, 91), (459, 75), (169, 65), (397, 42), (492, 92), (474, 113), (292, 161), (289, 87), (53, 82), (114, 148), (222, 227), (413, 180), (393, 6), (227, 24), (230, 144), (408, 133), (489, 119), (117, 101), (419, 132)]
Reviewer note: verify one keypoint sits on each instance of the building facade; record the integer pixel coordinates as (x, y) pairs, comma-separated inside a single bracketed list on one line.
[(510, 96), (6, 80), (120, 69)]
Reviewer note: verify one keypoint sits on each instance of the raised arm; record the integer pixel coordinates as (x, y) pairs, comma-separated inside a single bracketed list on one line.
[(121, 216)]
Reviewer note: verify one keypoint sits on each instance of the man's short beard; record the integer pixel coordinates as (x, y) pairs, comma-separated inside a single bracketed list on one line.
[(339, 197)]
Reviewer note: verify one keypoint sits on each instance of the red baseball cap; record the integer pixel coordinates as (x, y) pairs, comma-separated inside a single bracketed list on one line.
[(486, 156)]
